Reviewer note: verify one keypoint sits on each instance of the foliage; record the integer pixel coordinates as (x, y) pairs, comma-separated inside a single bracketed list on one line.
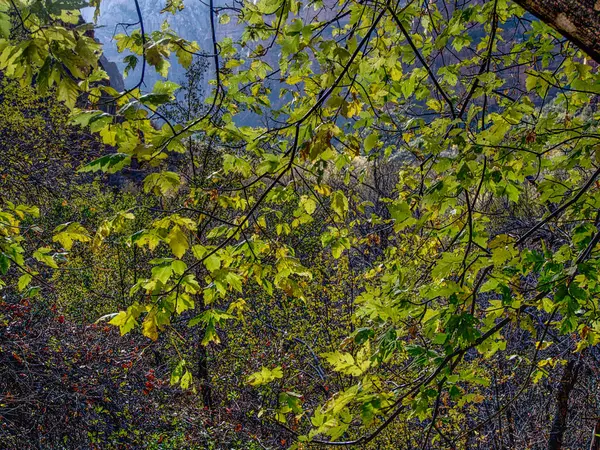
[(436, 165)]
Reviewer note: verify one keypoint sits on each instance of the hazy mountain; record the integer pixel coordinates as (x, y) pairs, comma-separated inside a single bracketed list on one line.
[(120, 16)]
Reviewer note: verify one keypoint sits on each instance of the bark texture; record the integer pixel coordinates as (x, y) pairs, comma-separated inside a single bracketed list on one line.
[(559, 424), (577, 20)]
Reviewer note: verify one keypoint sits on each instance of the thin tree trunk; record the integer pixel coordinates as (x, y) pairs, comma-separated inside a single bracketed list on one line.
[(595, 443), (203, 376), (202, 366), (511, 427), (577, 20), (559, 424)]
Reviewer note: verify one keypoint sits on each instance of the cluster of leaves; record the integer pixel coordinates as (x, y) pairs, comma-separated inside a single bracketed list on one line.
[(488, 232)]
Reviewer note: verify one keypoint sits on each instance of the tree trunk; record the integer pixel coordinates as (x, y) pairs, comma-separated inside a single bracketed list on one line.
[(203, 376), (577, 20), (559, 424)]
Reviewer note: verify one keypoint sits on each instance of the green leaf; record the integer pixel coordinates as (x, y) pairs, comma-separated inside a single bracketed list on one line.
[(4, 264), (162, 272), (179, 267), (371, 141), (531, 82), (265, 376), (339, 203), (5, 25), (68, 233), (24, 281), (186, 380), (68, 92), (124, 321), (440, 338), (108, 163), (43, 256), (347, 364), (162, 183), (212, 262), (308, 203), (177, 372), (165, 87)]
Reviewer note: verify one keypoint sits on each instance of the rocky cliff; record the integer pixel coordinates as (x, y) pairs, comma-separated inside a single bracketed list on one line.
[(120, 16)]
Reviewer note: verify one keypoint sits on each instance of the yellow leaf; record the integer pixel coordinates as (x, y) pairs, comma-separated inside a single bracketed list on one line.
[(149, 328), (178, 242)]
